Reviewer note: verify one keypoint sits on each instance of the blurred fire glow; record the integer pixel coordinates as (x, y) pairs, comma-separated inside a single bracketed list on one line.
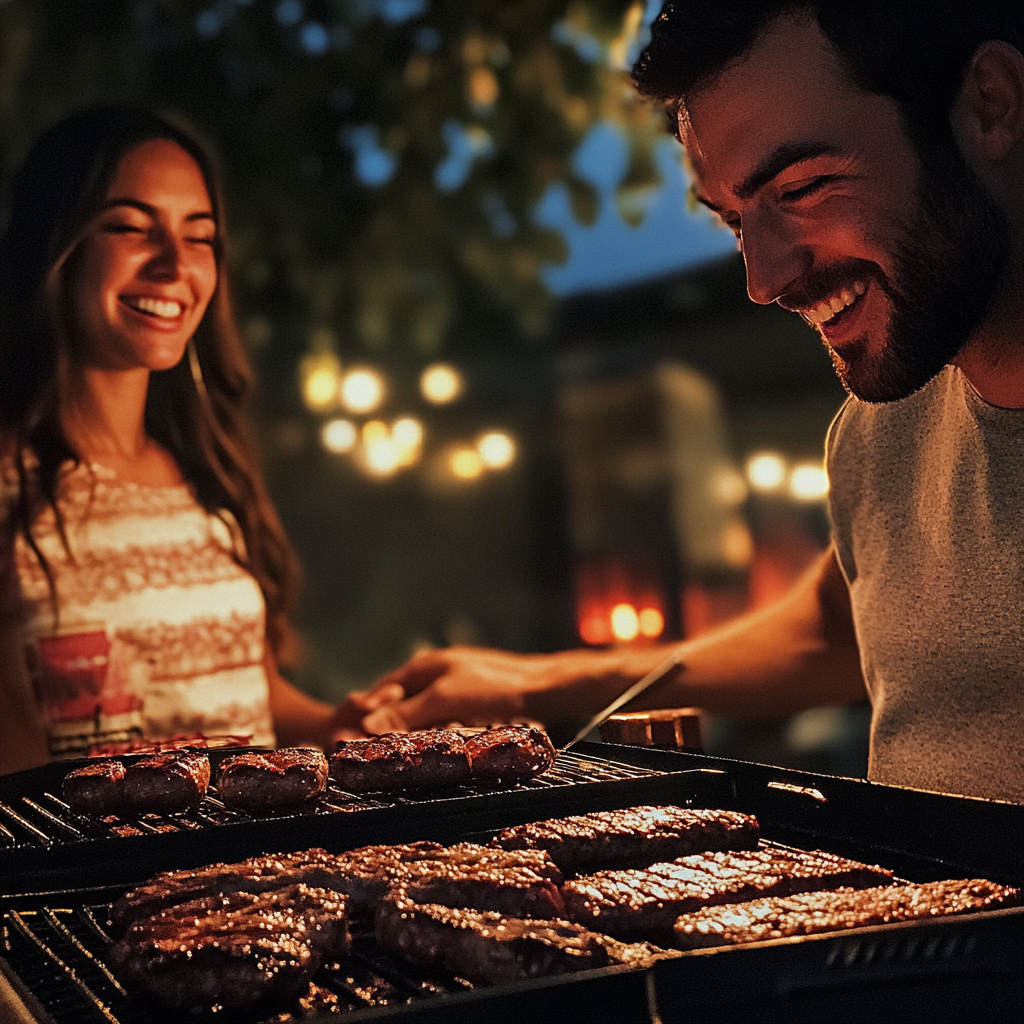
[(617, 603)]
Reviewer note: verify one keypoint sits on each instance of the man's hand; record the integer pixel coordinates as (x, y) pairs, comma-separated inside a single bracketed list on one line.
[(471, 685)]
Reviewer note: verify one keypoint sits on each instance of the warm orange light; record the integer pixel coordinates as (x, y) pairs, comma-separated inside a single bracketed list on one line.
[(595, 629), (651, 622), (625, 622)]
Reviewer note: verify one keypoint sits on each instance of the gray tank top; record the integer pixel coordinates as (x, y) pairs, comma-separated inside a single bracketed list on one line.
[(927, 507)]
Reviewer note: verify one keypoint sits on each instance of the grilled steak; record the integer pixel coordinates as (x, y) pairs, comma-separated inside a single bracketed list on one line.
[(634, 837), (483, 947), (96, 788), (167, 783), (431, 757), (514, 890), (510, 752), (363, 875), (272, 781), (645, 903), (778, 917), (238, 951)]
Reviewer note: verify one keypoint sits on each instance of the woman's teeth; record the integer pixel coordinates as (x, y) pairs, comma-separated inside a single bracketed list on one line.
[(157, 307), (824, 311)]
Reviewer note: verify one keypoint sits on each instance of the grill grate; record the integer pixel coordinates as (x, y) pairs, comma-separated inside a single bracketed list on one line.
[(60, 956), (45, 820)]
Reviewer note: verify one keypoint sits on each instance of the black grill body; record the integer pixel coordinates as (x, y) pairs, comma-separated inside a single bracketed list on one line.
[(953, 969)]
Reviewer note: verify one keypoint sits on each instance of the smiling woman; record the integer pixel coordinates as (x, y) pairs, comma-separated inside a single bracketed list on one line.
[(145, 579)]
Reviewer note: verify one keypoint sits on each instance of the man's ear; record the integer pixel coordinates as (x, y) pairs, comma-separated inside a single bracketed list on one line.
[(988, 115)]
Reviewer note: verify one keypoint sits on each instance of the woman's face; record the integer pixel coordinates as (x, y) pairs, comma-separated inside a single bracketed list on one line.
[(146, 268)]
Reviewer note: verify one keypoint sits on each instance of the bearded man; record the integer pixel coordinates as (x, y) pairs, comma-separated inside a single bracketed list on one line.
[(870, 159)]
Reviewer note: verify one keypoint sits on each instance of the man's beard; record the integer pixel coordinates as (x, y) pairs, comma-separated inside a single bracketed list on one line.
[(947, 261)]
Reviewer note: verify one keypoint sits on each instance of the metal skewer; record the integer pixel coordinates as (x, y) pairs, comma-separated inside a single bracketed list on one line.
[(656, 673)]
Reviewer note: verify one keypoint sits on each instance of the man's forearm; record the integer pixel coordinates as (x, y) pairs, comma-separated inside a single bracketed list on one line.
[(798, 653)]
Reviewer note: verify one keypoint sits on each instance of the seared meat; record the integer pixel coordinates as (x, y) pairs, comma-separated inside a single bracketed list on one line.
[(273, 780), (96, 788), (482, 946), (645, 903), (433, 757), (510, 752), (634, 837), (238, 951), (483, 883), (167, 783), (363, 875), (778, 917)]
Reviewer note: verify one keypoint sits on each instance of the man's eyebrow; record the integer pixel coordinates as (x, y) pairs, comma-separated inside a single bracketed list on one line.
[(779, 160), (150, 211)]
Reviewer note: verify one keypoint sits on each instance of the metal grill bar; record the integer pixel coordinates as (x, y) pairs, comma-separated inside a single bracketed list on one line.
[(46, 820)]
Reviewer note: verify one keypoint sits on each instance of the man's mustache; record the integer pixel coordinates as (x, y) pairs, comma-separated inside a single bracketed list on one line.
[(821, 284)]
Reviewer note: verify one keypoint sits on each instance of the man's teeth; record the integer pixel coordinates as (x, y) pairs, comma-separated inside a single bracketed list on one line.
[(158, 307), (824, 311)]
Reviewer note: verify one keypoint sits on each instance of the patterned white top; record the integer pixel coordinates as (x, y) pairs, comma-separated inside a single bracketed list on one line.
[(158, 632)]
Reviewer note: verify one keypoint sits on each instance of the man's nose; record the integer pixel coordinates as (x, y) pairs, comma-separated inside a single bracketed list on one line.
[(776, 258)]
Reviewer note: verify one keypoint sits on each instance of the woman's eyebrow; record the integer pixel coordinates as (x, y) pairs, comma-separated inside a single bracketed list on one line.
[(151, 211)]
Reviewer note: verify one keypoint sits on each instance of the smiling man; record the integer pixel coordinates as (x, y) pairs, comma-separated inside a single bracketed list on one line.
[(870, 159)]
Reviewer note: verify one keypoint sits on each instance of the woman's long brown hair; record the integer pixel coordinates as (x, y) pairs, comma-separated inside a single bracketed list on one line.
[(195, 410)]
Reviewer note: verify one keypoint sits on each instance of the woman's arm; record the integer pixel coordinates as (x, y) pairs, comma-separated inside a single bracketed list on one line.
[(798, 653), (22, 737), (302, 720)]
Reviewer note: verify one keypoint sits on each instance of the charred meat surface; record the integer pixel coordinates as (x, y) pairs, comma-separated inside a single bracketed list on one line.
[(237, 952), (632, 837), (362, 875), (510, 752), (96, 788), (484, 947), (272, 780), (645, 903), (415, 760), (167, 783), (474, 878), (779, 917)]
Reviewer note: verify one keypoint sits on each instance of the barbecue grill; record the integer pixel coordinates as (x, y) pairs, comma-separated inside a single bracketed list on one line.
[(54, 918)]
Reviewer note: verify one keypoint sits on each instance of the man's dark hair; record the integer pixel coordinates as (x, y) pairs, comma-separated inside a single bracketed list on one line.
[(916, 53)]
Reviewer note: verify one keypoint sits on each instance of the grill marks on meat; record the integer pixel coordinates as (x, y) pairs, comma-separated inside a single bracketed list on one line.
[(484, 947), (237, 951), (96, 788), (646, 903), (633, 837), (510, 752), (781, 917), (256, 875), (274, 780), (435, 757), (441, 757), (167, 783)]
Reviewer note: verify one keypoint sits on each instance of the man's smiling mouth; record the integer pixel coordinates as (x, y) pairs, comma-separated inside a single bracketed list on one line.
[(166, 308), (823, 312)]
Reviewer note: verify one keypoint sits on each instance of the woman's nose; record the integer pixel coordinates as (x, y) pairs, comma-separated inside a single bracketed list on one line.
[(166, 260)]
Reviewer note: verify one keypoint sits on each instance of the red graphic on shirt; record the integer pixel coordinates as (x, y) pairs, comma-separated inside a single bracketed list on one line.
[(76, 676)]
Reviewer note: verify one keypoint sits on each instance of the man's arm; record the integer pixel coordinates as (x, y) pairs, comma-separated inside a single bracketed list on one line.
[(797, 653)]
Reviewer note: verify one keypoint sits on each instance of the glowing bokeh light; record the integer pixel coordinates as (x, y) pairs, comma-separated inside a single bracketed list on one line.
[(466, 464), (441, 383), (407, 437), (361, 390), (625, 622), (320, 374), (651, 623), (808, 482), (766, 471), (339, 436), (497, 449)]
